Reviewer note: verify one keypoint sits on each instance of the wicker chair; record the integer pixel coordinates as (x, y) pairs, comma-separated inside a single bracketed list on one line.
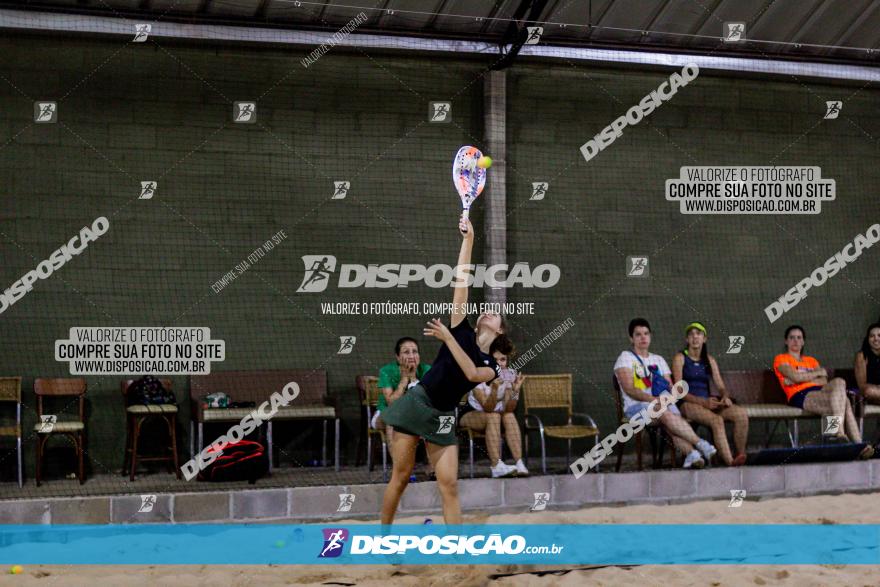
[(368, 390), (473, 434), (10, 391), (74, 429), (549, 392)]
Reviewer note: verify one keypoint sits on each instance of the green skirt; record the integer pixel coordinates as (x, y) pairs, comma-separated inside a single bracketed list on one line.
[(413, 414)]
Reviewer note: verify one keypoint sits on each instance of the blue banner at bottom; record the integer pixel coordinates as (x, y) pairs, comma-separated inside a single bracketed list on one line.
[(559, 544)]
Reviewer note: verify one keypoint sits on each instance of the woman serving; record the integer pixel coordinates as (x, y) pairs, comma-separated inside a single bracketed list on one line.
[(427, 410)]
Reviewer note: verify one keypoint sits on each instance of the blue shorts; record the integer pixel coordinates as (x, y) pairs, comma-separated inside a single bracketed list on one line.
[(637, 407), (797, 400)]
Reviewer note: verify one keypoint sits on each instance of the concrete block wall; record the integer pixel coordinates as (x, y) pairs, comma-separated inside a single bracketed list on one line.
[(316, 504)]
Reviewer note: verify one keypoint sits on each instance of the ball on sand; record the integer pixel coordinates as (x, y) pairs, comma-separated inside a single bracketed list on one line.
[(16, 570), (484, 162)]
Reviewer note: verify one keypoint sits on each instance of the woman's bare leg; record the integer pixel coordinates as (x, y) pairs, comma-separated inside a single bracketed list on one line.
[(872, 394), (829, 401), (478, 421), (740, 419), (715, 423), (682, 446), (404, 454), (389, 431), (851, 424), (493, 437), (429, 468), (445, 461), (678, 427), (512, 435)]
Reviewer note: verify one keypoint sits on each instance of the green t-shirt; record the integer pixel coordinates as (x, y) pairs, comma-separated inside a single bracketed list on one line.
[(389, 376)]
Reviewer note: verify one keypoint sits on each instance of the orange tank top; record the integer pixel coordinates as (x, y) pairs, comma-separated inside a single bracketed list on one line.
[(804, 364)]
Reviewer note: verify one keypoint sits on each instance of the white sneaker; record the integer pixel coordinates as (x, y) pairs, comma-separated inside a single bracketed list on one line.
[(693, 460), (521, 469), (502, 470), (707, 449)]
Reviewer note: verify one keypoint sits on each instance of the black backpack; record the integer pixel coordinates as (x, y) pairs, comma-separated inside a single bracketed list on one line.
[(149, 391), (244, 460)]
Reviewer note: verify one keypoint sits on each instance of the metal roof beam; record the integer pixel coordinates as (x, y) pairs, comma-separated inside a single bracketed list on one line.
[(34, 21), (535, 8), (856, 23)]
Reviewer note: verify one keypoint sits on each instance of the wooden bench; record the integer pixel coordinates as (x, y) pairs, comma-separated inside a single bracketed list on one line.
[(257, 386), (759, 392)]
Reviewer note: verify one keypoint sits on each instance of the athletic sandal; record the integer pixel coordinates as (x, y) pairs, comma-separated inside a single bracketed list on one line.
[(866, 453), (739, 460), (693, 460)]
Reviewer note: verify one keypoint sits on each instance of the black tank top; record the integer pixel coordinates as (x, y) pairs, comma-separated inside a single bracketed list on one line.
[(873, 368), (445, 382)]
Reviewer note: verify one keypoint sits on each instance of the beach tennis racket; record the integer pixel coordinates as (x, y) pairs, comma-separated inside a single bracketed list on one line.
[(469, 179)]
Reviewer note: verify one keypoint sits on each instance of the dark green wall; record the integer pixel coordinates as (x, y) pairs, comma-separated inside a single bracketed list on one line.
[(723, 270), (133, 112)]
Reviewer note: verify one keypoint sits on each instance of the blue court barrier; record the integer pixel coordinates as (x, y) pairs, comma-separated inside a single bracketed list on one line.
[(539, 544)]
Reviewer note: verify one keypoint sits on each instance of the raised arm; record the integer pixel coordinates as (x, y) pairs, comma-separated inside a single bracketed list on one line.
[(460, 295), (511, 396)]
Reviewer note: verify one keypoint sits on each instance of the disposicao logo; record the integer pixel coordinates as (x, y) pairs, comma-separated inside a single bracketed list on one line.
[(320, 268), (334, 541)]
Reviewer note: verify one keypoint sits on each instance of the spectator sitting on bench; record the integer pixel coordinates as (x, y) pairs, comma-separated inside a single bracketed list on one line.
[(633, 374), (695, 365), (806, 386), (395, 378), (493, 405), (868, 365)]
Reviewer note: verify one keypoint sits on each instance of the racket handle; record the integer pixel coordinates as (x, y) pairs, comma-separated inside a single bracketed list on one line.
[(465, 214)]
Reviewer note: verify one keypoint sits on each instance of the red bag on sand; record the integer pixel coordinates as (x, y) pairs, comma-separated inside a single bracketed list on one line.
[(245, 460)]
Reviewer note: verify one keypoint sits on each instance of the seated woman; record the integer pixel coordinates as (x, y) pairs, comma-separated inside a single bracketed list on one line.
[(806, 386), (493, 405), (395, 377), (868, 365), (633, 370), (695, 365)]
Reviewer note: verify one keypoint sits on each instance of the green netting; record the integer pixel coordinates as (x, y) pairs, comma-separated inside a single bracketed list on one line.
[(359, 121)]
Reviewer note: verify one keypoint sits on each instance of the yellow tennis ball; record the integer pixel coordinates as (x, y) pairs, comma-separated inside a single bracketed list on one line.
[(16, 570), (484, 162)]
